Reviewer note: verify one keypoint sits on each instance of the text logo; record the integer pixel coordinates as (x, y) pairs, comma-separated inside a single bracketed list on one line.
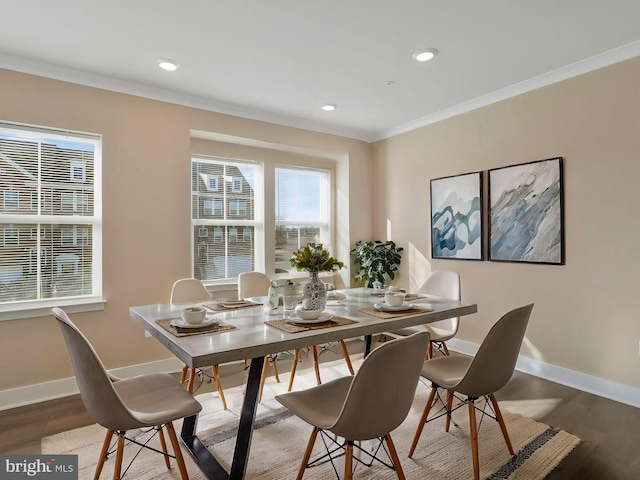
[(50, 467)]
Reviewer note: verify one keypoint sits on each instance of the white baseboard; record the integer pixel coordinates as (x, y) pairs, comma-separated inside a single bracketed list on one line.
[(570, 378), (30, 394)]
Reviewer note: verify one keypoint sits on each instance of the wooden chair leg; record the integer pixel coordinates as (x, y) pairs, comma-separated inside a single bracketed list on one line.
[(446, 350), (316, 365), (423, 420), (177, 451), (274, 361), (192, 380), (307, 453), (430, 351), (164, 446), (294, 366), (345, 352), (117, 468), (473, 436), (103, 454), (503, 427), (394, 456), (183, 376), (265, 363), (449, 405), (216, 378), (348, 461)]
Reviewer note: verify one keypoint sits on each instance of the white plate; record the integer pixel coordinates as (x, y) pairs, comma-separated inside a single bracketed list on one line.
[(336, 296), (324, 316), (385, 307), (179, 322)]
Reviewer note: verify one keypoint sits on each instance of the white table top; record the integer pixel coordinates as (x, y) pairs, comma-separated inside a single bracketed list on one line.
[(253, 338)]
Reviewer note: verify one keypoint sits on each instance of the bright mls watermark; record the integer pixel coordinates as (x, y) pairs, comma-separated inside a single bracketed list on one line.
[(50, 467)]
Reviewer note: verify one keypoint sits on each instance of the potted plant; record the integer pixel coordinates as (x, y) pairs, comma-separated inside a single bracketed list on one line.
[(374, 260), (314, 258)]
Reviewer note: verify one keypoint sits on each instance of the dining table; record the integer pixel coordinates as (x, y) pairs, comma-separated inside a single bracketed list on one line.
[(253, 331)]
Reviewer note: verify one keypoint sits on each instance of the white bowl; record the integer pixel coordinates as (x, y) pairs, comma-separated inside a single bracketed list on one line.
[(308, 314), (395, 299), (193, 315)]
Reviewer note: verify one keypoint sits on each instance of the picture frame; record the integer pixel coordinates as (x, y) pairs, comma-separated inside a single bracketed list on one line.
[(526, 213), (457, 217)]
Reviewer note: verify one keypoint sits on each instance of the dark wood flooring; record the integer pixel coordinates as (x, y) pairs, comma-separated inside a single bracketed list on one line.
[(610, 431)]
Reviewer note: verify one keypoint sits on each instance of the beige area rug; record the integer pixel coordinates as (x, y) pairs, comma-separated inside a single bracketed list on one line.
[(279, 441)]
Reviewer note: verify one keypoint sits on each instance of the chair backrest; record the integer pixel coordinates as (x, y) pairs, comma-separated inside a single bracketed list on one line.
[(188, 290), (493, 365), (383, 389), (253, 284), (444, 283), (96, 388)]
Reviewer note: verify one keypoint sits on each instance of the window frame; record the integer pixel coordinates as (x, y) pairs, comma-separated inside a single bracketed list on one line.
[(36, 217)]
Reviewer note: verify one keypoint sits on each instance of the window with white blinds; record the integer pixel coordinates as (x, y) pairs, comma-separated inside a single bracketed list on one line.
[(302, 205), (224, 216), (50, 216)]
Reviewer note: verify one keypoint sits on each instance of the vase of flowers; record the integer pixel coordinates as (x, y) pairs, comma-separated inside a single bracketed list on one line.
[(314, 258)]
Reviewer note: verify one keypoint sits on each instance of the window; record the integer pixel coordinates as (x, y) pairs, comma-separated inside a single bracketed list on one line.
[(58, 175), (302, 205), (237, 220), (225, 212)]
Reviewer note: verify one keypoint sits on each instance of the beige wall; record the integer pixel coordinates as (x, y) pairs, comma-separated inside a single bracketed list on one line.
[(584, 318), (146, 165)]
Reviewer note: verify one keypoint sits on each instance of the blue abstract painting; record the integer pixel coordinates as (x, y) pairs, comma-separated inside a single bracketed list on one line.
[(526, 218), (456, 217)]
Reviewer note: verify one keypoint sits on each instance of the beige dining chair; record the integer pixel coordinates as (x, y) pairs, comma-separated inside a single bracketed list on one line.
[(146, 401), (256, 284), (473, 378), (444, 284), (192, 290), (356, 408)]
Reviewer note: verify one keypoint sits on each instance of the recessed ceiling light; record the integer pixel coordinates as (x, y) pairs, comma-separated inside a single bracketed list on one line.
[(329, 107), (425, 54), (168, 64)]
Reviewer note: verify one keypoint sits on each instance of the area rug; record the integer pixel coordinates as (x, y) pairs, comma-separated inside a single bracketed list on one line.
[(279, 441)]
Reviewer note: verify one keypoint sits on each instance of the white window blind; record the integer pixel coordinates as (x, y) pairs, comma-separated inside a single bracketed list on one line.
[(51, 215), (302, 206), (219, 210)]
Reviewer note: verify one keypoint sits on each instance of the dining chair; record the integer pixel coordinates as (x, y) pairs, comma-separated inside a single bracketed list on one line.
[(192, 290), (356, 408), (256, 284), (146, 401), (444, 284), (474, 378)]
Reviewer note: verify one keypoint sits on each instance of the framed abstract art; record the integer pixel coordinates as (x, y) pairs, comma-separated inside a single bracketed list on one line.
[(456, 217), (526, 213)]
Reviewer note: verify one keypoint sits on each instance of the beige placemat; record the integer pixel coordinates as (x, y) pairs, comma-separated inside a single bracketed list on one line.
[(186, 332), (221, 306), (409, 297), (296, 327), (377, 313)]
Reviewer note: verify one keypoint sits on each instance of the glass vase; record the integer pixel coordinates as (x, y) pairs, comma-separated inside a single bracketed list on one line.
[(314, 294)]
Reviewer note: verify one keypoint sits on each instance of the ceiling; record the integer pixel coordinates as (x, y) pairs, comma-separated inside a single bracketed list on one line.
[(281, 60)]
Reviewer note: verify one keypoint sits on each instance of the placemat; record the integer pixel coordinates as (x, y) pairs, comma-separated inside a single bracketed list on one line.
[(377, 313), (186, 332), (409, 297), (296, 327), (220, 306)]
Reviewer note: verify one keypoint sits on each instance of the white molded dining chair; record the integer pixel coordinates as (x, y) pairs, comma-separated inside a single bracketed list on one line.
[(444, 284), (192, 290), (146, 401)]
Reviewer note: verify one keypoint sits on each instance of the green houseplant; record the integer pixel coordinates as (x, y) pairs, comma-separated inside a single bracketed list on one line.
[(374, 260)]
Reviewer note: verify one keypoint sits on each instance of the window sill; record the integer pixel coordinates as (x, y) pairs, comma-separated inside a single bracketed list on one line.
[(43, 309)]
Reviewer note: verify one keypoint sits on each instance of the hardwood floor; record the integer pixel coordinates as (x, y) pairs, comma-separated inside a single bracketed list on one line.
[(610, 431)]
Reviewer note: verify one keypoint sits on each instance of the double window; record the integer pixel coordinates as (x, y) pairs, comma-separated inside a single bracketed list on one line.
[(230, 223), (51, 204)]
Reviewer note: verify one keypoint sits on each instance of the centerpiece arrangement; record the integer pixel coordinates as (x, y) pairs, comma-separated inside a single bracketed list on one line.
[(314, 258)]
